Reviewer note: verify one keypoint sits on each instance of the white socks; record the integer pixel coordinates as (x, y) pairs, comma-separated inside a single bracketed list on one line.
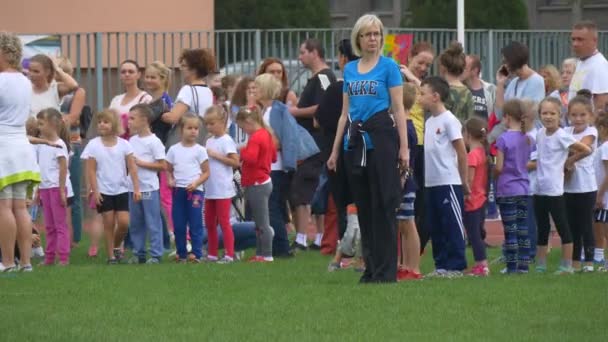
[(301, 239), (598, 254), (318, 239)]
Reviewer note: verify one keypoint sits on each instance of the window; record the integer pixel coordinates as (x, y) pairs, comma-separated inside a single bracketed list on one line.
[(382, 5)]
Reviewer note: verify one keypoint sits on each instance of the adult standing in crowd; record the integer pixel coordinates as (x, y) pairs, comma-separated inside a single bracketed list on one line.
[(592, 68), (523, 81), (130, 73), (328, 114), (376, 148), (73, 106), (420, 61), (18, 168), (306, 177), (195, 96), (484, 93), (276, 68), (452, 63), (49, 83)]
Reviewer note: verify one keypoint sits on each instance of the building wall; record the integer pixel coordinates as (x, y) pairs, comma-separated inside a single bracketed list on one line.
[(60, 16), (344, 13), (558, 15)]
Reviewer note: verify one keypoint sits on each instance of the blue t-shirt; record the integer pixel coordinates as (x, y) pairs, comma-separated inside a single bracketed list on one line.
[(369, 93), (532, 88)]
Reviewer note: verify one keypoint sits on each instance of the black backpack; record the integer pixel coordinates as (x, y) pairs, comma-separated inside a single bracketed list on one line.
[(86, 116)]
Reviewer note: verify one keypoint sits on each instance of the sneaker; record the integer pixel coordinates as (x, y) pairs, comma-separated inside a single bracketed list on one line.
[(440, 273), (112, 261), (314, 247), (26, 268), (299, 247), (38, 252), (211, 258), (225, 260), (587, 269), (540, 269), (564, 270), (153, 261), (504, 271), (480, 271), (173, 253), (260, 259), (63, 263), (181, 261), (600, 265), (92, 251), (411, 275), (454, 274), (118, 254), (240, 255), (8, 269), (195, 260), (402, 274), (333, 266)]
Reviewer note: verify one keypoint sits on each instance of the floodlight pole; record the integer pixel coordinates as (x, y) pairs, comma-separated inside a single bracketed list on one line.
[(460, 22)]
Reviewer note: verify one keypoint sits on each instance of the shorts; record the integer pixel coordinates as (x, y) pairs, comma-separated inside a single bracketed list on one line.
[(305, 181), (17, 191), (118, 202), (406, 208), (601, 215)]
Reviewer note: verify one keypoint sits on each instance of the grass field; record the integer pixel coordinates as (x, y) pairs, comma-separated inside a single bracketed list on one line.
[(293, 300)]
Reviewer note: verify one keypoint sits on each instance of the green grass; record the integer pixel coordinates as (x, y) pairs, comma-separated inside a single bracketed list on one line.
[(293, 300)]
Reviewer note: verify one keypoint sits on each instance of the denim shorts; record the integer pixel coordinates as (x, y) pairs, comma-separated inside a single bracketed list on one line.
[(406, 208)]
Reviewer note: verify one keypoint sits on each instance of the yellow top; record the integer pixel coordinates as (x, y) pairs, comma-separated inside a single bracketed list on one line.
[(417, 116)]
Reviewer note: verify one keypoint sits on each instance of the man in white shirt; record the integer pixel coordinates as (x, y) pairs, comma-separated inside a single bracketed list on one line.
[(592, 68)]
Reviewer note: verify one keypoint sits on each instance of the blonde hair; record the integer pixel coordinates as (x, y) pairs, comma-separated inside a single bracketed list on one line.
[(163, 72), (65, 64), (11, 48), (569, 61), (112, 117), (362, 23), (268, 87), (187, 117), (54, 117), (410, 93), (554, 79), (216, 112)]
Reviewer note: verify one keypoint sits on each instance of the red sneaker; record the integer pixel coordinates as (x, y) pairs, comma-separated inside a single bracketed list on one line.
[(402, 274), (259, 259), (411, 275)]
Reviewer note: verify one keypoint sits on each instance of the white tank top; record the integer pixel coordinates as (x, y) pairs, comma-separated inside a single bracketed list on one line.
[(44, 100)]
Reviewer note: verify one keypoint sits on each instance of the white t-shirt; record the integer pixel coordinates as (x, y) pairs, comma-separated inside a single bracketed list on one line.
[(591, 74), (278, 165), (46, 99), (48, 160), (533, 157), (68, 183), (197, 97), (117, 105), (186, 163), (440, 159), (219, 185), (15, 99), (111, 161), (583, 177), (600, 171), (148, 149), (552, 154)]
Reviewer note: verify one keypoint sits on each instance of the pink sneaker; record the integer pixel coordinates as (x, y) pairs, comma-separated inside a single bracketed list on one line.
[(480, 271), (92, 251)]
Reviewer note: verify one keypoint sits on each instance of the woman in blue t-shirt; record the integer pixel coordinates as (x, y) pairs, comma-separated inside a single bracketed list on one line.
[(375, 147)]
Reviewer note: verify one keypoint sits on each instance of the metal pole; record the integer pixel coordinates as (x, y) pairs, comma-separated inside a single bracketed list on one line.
[(99, 69), (460, 21)]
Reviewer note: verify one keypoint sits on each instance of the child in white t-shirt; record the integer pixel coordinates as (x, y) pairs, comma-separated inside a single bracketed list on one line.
[(553, 144), (445, 159), (219, 189), (187, 170), (52, 191), (108, 160), (580, 189), (144, 216), (601, 201)]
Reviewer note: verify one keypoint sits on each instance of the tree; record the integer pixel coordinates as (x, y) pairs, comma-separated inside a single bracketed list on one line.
[(511, 14), (270, 14)]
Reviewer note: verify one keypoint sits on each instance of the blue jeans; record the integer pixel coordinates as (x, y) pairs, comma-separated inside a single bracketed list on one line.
[(75, 175), (277, 205), (145, 218), (321, 196), (514, 213), (244, 236), (188, 214)]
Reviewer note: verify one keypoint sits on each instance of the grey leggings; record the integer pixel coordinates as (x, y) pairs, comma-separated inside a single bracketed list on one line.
[(257, 198)]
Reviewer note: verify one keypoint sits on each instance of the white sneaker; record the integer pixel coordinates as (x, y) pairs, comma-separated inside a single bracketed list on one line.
[(588, 269), (7, 269), (440, 273), (225, 260), (26, 268), (239, 255), (38, 252)]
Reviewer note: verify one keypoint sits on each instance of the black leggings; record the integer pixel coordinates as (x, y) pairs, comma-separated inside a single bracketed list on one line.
[(423, 231), (556, 207), (579, 210)]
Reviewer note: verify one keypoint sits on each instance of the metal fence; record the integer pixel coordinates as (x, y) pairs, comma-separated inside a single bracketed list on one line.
[(96, 56)]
